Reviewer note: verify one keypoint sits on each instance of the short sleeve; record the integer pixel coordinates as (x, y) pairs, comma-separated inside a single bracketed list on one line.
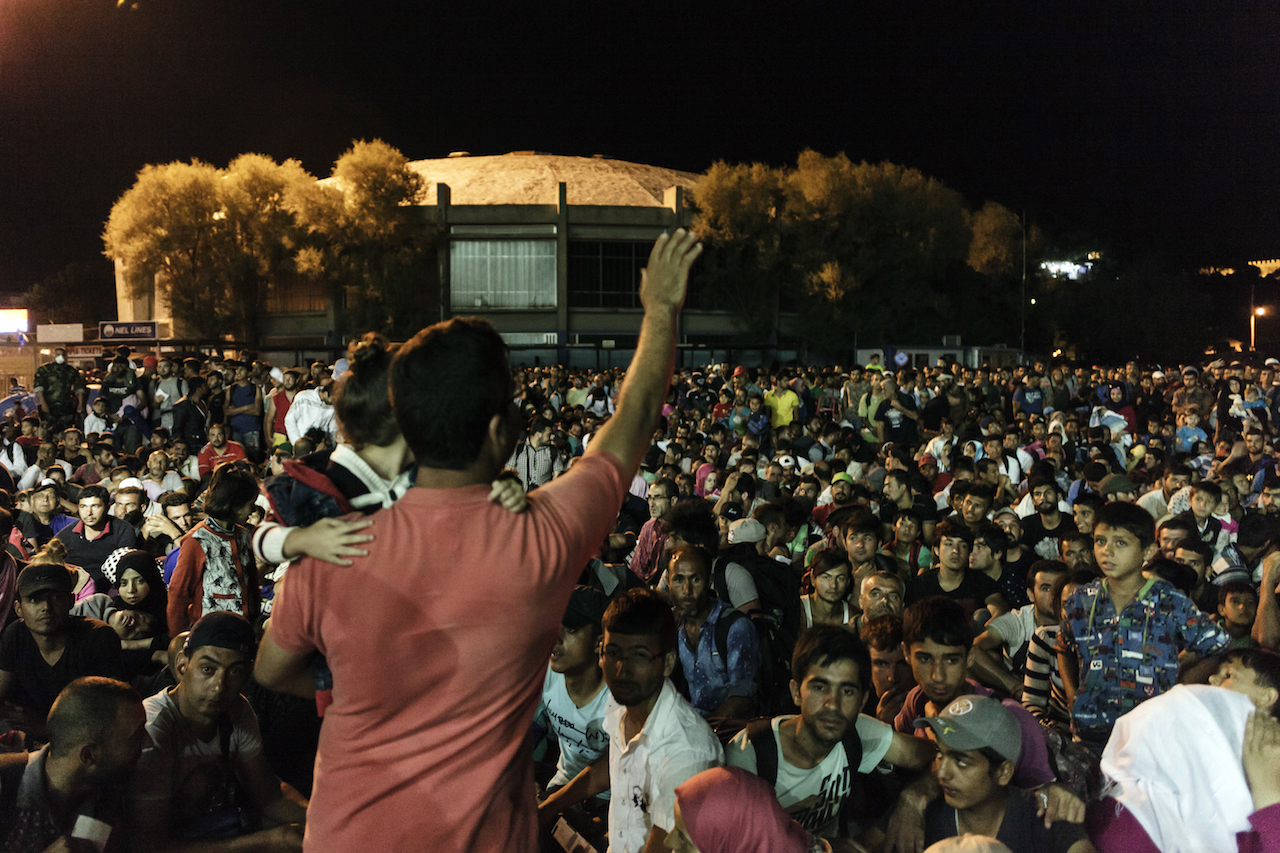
[(246, 738), (293, 626), (1201, 635), (1006, 627), (876, 739), (670, 774)]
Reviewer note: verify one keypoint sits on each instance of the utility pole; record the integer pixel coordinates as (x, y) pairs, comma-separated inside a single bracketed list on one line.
[(1022, 345)]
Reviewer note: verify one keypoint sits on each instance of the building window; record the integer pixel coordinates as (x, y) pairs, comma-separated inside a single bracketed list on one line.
[(502, 274), (606, 274), (293, 292)]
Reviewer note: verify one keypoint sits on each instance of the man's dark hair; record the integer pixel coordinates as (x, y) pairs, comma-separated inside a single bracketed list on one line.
[(860, 520), (1075, 536), (85, 712), (1197, 546), (747, 483), (230, 488), (642, 611), (823, 645), (1050, 566), (937, 618), (1039, 481), (952, 529), (102, 447), (447, 383), (995, 537), (539, 424), (1075, 577), (962, 464), (909, 512), (983, 491), (1256, 530), (1091, 500), (1235, 588), (1179, 574), (883, 633), (174, 499), (1265, 663), (667, 483), (362, 401), (898, 476), (770, 513), (1131, 518), (1207, 487), (694, 522), (1177, 523), (99, 492)]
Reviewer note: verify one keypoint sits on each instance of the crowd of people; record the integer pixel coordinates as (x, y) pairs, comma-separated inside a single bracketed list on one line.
[(725, 608)]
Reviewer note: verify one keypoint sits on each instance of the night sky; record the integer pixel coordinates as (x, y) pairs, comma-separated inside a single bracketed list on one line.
[(1153, 130)]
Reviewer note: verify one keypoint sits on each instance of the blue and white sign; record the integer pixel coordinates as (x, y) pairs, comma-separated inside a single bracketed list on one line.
[(137, 331)]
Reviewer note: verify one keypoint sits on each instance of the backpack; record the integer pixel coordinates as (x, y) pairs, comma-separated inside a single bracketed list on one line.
[(777, 623), (760, 735)]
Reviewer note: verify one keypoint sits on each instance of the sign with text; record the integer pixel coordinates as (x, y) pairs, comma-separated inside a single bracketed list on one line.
[(59, 333), (143, 330)]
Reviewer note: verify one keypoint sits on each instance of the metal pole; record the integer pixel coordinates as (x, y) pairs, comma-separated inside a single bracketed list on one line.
[(1022, 345)]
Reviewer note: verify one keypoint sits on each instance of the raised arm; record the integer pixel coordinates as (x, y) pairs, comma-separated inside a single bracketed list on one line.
[(662, 292)]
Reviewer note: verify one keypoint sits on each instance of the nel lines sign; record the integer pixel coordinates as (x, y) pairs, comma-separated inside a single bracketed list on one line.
[(137, 331)]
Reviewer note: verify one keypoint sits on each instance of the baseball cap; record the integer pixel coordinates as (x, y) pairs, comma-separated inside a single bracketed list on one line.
[(1159, 374), (842, 477), (928, 459), (46, 483), (1008, 510), (732, 511), (974, 722), (224, 630), (746, 530), (45, 576), (1272, 362), (787, 461), (739, 371), (586, 607)]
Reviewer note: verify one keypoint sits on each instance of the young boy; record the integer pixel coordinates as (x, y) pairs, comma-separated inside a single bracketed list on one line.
[(1122, 637), (978, 744), (1189, 433), (1237, 608)]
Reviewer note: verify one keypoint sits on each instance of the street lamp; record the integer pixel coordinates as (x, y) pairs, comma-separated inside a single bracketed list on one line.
[(1253, 327)]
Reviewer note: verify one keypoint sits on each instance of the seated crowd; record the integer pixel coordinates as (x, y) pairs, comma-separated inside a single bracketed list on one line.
[(839, 609)]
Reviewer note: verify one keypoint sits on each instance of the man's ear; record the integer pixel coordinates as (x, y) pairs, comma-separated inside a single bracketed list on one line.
[(1004, 773), (1266, 701), (87, 755), (180, 663), (669, 664), (795, 693)]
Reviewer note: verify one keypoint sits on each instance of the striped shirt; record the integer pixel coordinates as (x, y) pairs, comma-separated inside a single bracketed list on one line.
[(1042, 691)]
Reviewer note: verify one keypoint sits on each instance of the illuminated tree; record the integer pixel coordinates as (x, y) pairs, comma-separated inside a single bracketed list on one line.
[(362, 238)]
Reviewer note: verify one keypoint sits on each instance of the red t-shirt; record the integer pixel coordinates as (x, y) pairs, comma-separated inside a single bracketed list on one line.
[(438, 641), (208, 458), (282, 403)]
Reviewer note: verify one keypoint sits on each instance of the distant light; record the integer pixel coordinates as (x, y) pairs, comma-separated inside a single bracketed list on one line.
[(1033, 300), (45, 352), (13, 320), (1261, 312), (1069, 269), (1057, 353)]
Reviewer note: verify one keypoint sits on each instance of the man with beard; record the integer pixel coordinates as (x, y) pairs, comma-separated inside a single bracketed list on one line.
[(657, 740), (218, 450), (722, 678), (1011, 632), (46, 631), (97, 729), (166, 390), (92, 539), (1041, 532), (810, 757), (278, 407)]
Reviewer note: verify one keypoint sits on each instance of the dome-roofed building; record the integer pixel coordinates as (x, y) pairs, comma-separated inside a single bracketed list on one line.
[(547, 247)]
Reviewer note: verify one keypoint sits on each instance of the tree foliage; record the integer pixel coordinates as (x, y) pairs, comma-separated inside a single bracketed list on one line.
[(208, 239), (361, 239), (214, 241), (859, 250)]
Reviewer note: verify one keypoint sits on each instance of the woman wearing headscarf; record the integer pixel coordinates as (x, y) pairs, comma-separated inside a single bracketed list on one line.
[(730, 810)]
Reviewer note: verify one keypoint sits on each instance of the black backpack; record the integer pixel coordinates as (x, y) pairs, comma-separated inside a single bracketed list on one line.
[(777, 623)]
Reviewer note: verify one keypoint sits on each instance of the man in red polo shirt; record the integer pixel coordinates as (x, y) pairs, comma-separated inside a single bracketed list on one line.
[(218, 450), (426, 737)]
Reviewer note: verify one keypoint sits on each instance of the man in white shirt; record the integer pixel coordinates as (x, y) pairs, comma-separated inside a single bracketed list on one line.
[(809, 757), (1012, 632), (656, 739), (312, 409)]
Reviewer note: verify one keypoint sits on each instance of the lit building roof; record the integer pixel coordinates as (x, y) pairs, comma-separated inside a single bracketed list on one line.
[(532, 177)]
